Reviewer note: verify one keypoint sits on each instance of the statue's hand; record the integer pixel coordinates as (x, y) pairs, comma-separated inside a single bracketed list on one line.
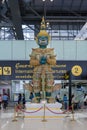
[(43, 60), (34, 62), (51, 61)]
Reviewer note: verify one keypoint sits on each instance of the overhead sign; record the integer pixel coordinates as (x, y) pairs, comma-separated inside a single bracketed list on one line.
[(21, 70)]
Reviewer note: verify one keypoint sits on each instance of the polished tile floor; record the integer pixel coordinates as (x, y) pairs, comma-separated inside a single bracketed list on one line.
[(63, 123)]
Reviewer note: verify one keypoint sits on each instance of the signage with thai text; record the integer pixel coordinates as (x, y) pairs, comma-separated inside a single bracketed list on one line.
[(21, 70)]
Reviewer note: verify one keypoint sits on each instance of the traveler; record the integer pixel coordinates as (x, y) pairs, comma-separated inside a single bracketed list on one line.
[(31, 96), (0, 101), (65, 101), (5, 100), (85, 100), (19, 98), (23, 100)]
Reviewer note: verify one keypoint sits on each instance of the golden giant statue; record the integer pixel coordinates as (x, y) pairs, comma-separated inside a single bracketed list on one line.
[(42, 59)]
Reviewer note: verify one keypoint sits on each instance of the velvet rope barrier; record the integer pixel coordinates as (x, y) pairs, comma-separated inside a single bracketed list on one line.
[(31, 111), (57, 112)]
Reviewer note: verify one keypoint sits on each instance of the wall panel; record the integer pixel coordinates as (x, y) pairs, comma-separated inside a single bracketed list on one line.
[(70, 50), (81, 50), (64, 50), (18, 50), (5, 50), (58, 48), (29, 46)]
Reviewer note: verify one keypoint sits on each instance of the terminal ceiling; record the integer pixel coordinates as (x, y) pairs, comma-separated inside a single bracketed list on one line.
[(17, 12)]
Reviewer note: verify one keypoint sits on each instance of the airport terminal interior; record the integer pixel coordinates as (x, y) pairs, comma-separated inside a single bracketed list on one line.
[(43, 64)]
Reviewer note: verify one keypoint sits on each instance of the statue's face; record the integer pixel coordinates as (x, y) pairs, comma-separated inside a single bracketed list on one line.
[(43, 41)]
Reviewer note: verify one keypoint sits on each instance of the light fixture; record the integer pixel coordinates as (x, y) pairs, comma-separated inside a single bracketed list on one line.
[(47, 23), (50, 0), (3, 1)]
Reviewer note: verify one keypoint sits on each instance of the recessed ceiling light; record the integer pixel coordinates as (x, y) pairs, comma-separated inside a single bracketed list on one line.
[(47, 23)]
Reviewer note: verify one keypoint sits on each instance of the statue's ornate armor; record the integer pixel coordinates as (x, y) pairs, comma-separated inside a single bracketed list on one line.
[(42, 56), (42, 59)]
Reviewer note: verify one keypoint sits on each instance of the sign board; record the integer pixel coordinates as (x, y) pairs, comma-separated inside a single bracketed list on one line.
[(21, 70)]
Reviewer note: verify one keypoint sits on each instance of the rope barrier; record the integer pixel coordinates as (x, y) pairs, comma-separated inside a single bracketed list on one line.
[(57, 112), (32, 111), (19, 108)]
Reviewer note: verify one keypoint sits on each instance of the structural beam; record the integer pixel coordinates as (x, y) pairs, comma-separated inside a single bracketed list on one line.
[(62, 3), (4, 24), (16, 17), (71, 4), (70, 90), (37, 14), (81, 2)]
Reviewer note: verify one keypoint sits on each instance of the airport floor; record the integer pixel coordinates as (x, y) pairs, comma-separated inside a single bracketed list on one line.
[(62, 123)]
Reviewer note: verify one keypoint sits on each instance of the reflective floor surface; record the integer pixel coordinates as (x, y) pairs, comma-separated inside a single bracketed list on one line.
[(62, 123)]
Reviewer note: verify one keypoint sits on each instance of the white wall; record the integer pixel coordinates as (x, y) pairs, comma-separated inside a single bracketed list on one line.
[(64, 50)]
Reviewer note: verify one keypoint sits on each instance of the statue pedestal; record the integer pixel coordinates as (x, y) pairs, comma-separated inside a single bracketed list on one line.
[(37, 110)]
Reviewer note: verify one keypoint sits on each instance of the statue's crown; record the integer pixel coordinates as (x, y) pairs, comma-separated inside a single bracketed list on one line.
[(43, 31), (43, 25)]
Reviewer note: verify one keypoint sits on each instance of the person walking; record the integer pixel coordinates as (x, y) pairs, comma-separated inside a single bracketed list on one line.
[(19, 98), (85, 100), (0, 101), (31, 96), (5, 100), (23, 100), (65, 101), (57, 97)]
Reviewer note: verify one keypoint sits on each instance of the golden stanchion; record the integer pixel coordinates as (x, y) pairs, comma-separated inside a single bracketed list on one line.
[(14, 118), (43, 90), (73, 119), (19, 111), (67, 114), (44, 119)]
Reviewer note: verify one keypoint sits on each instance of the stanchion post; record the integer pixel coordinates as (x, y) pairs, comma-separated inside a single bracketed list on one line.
[(67, 114), (44, 118), (20, 111), (14, 119), (73, 119)]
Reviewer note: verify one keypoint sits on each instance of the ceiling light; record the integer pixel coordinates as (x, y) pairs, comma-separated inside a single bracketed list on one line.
[(3, 1), (43, 0), (47, 23), (51, 0)]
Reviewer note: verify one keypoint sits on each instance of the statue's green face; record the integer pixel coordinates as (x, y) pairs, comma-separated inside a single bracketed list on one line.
[(43, 41)]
